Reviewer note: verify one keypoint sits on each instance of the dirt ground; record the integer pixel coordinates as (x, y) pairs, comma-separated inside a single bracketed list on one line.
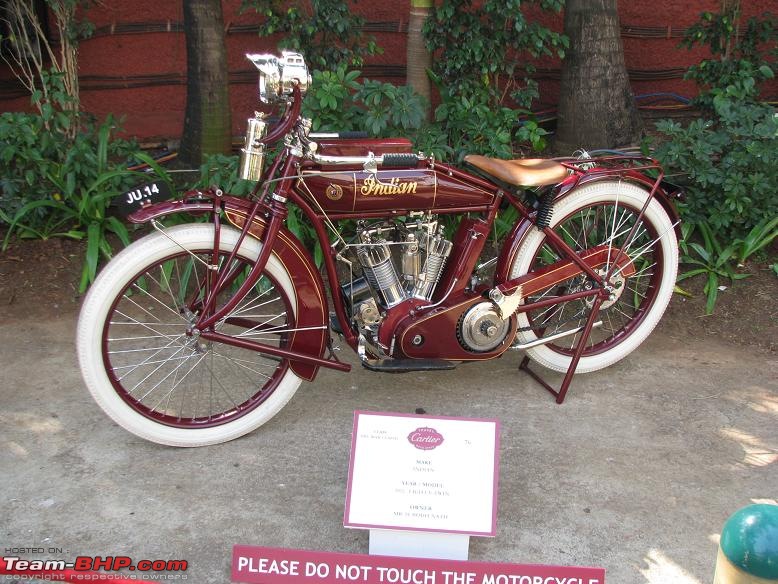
[(40, 279), (636, 472)]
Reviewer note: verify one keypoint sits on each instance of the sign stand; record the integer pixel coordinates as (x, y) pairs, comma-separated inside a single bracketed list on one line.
[(422, 485), (419, 544)]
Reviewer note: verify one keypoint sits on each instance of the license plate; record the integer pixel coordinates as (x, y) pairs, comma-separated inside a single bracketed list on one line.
[(142, 195)]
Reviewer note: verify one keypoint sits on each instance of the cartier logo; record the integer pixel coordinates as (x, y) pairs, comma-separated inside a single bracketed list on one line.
[(371, 187), (425, 438)]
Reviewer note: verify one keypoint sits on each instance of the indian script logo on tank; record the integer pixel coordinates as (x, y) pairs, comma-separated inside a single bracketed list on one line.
[(425, 438), (373, 187)]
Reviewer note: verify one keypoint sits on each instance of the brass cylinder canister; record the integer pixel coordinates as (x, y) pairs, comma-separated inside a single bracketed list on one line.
[(252, 157)]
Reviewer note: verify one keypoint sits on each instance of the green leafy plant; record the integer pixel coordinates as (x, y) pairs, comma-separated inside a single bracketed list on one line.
[(730, 155), (712, 260), (729, 162), (470, 124), (742, 59), (337, 101), (327, 32), (483, 47), (222, 171), (483, 77), (76, 194), (762, 235)]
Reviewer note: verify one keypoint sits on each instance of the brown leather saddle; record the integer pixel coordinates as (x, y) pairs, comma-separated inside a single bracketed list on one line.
[(523, 172)]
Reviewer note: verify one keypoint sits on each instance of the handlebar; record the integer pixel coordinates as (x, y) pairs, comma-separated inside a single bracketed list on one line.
[(371, 162)]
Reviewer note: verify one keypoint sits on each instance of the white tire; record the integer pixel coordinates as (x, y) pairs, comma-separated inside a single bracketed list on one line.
[(586, 218), (152, 378)]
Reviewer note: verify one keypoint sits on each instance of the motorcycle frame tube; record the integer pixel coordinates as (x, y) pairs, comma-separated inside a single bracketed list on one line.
[(275, 351), (329, 266)]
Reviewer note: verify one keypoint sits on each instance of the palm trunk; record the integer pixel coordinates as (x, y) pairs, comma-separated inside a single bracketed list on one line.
[(596, 105), (207, 125)]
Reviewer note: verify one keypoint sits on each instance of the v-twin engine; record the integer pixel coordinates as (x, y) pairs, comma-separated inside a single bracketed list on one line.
[(396, 276)]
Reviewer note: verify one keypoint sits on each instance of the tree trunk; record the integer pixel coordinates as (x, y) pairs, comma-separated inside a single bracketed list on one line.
[(207, 125), (596, 105), (418, 57)]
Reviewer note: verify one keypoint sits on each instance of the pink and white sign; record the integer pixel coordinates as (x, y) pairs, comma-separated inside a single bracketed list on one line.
[(262, 565), (423, 473)]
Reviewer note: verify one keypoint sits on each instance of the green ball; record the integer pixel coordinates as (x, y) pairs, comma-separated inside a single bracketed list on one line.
[(749, 539)]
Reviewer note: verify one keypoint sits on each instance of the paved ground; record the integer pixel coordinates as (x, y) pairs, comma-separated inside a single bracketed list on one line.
[(636, 472)]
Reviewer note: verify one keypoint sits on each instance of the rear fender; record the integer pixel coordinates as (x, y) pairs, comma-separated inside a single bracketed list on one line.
[(311, 301), (665, 193)]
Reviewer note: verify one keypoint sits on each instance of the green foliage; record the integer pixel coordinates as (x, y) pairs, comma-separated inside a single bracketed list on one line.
[(762, 235), (741, 60), (222, 171), (472, 125), (70, 197), (482, 76), (57, 186), (729, 156), (482, 46), (730, 162), (710, 258), (337, 101), (325, 31)]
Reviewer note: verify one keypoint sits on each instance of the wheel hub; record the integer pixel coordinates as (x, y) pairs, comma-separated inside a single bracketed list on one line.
[(615, 289)]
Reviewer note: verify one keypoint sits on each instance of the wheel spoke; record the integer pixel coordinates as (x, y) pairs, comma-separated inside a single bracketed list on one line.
[(239, 363)]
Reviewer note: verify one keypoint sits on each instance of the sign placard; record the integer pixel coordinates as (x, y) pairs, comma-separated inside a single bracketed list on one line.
[(263, 565), (423, 473)]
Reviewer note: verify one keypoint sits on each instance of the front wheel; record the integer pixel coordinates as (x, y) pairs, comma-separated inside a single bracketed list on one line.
[(140, 355), (601, 213)]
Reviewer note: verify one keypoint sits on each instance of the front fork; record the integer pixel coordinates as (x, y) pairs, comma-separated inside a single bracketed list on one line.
[(276, 215)]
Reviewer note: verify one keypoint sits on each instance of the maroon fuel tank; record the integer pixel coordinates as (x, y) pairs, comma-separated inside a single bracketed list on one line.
[(339, 190)]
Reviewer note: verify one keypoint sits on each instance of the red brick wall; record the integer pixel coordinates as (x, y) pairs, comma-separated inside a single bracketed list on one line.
[(111, 63)]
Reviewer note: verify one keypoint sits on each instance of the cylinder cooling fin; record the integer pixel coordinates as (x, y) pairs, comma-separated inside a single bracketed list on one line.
[(377, 265)]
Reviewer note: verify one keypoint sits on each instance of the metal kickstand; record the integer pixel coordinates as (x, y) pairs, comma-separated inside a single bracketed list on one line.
[(562, 392)]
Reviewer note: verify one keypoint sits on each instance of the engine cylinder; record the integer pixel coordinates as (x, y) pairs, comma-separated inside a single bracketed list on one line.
[(437, 253), (376, 261)]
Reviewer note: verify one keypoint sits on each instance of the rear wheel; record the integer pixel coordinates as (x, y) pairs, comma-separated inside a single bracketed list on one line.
[(141, 357), (598, 214)]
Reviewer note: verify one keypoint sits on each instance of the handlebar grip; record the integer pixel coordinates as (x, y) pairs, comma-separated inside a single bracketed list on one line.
[(400, 160), (353, 134)]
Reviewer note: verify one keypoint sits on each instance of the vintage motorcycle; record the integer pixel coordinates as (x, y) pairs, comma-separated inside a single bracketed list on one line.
[(199, 333)]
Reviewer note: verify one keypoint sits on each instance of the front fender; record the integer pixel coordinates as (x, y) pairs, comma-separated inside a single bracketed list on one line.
[(311, 310)]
